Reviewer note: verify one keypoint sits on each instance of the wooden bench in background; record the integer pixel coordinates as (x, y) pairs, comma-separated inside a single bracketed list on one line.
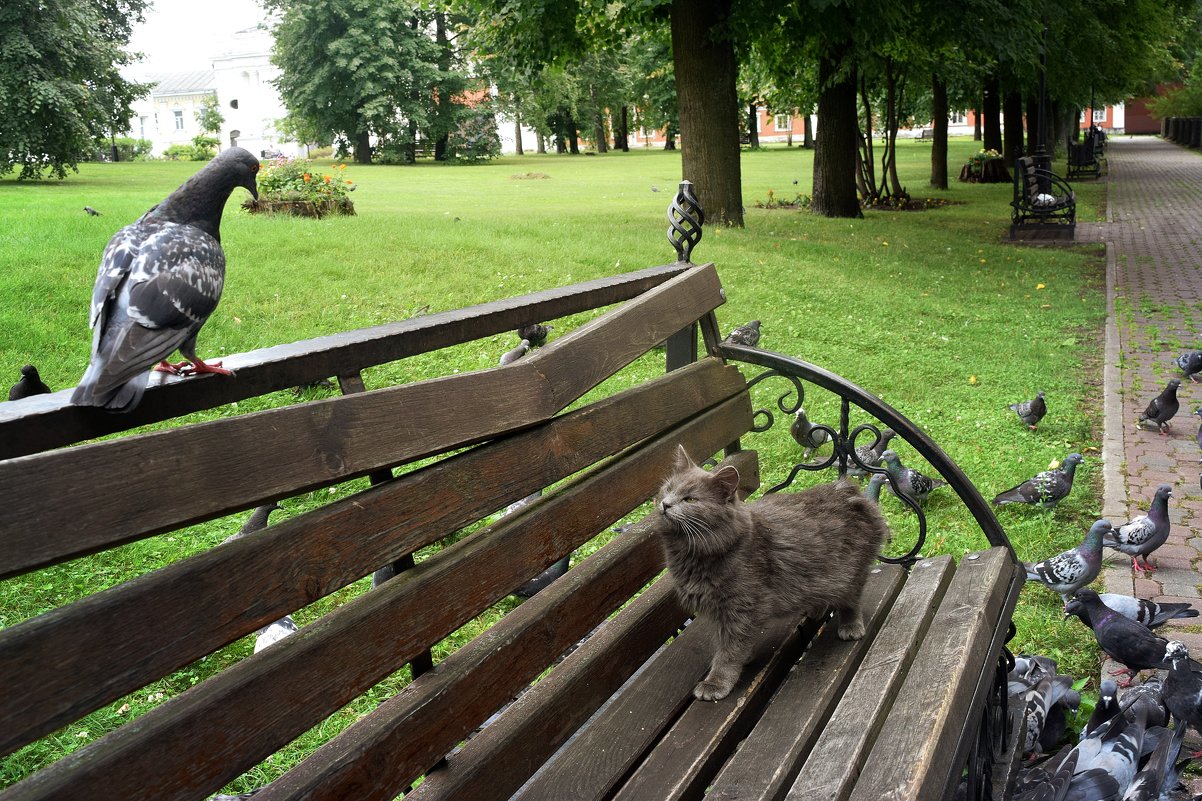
[(1044, 205), (912, 710)]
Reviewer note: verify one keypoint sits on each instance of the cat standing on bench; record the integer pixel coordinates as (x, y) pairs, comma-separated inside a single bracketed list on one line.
[(742, 565)]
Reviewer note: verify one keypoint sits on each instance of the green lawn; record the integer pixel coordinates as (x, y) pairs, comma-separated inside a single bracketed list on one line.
[(934, 311)]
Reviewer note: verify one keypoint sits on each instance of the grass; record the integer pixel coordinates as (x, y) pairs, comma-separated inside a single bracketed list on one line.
[(934, 311)]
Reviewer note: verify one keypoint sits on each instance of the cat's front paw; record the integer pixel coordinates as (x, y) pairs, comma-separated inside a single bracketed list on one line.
[(851, 631), (711, 691)]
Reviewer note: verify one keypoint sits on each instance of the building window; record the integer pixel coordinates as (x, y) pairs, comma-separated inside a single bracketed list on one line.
[(781, 122), (141, 127), (1099, 115), (179, 119), (956, 118)]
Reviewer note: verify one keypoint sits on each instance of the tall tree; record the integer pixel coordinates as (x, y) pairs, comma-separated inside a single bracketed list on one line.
[(61, 91)]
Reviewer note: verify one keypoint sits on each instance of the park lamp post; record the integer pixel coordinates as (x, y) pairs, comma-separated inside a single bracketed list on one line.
[(1041, 157)]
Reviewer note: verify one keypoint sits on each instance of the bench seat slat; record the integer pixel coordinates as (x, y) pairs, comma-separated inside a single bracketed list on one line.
[(683, 764), (50, 421), (833, 766), (65, 659), (250, 710), (913, 755), (124, 489), (769, 759)]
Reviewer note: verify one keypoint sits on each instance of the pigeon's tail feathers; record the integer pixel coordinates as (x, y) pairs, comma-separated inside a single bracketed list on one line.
[(1012, 495), (1094, 784), (120, 398), (1032, 572), (1171, 611), (1110, 539)]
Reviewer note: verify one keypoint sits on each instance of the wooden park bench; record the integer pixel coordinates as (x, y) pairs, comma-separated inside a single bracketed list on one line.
[(910, 711), (926, 135), (1044, 205), (1087, 157)]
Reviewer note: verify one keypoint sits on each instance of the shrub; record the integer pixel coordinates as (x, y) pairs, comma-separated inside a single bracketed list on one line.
[(296, 179), (179, 152), (204, 147), (474, 138)]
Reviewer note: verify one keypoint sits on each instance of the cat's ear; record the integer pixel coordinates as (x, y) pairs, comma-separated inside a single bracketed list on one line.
[(727, 480), (683, 462)]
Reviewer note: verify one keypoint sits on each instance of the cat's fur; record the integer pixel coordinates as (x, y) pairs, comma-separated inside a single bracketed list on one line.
[(743, 565)]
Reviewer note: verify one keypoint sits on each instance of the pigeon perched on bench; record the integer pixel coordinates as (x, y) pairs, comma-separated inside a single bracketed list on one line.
[(1045, 489), (1144, 534), (1069, 571), (1162, 408), (1190, 363), (28, 385), (870, 455), (159, 280), (748, 334), (908, 480), (1127, 642), (1031, 411)]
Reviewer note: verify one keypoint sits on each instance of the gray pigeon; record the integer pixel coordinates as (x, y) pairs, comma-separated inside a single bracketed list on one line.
[(1162, 408), (272, 632), (1183, 687), (1190, 363), (1105, 709), (535, 333), (1144, 534), (1127, 642), (543, 579), (1151, 614), (91, 211), (1045, 489), (872, 490), (511, 356), (159, 280), (806, 435), (1115, 748), (870, 455), (29, 384), (908, 480), (1067, 572), (1031, 411), (745, 334), (1057, 779), (1159, 775)]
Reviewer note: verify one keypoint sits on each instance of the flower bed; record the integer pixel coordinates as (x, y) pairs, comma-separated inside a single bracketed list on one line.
[(293, 186)]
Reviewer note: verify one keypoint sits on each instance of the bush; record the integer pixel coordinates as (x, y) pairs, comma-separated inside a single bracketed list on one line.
[(296, 179), (204, 147), (179, 153), (475, 138)]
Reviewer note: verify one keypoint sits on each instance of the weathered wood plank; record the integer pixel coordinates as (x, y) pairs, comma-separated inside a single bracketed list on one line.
[(769, 759), (831, 769), (500, 759), (912, 757), (380, 755), (66, 661), (63, 504), (253, 708), (50, 421)]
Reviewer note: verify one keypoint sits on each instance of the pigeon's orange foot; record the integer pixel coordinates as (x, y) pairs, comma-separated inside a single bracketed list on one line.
[(197, 367), (175, 369)]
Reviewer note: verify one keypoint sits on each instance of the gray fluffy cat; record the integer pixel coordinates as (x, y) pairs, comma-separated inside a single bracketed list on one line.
[(744, 565)]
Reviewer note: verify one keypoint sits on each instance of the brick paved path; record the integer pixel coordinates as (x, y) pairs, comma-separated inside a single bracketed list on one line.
[(1155, 312)]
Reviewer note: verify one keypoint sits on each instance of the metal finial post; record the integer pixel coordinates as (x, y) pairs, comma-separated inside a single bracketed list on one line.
[(685, 217)]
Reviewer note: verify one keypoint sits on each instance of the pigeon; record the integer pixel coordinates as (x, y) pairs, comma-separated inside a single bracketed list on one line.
[(1190, 363), (28, 385), (1144, 534), (1031, 411), (91, 211), (511, 356), (1114, 748), (1058, 779), (1041, 700), (159, 280), (542, 580), (1105, 709), (909, 481), (1125, 640), (1183, 688), (1198, 436), (1045, 489), (1158, 775), (1147, 699), (272, 632), (745, 334), (806, 434), (1151, 614), (870, 455), (872, 490), (1162, 408), (1067, 572), (535, 333)]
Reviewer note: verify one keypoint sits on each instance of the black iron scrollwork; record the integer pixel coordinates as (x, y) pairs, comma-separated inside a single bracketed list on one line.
[(685, 218)]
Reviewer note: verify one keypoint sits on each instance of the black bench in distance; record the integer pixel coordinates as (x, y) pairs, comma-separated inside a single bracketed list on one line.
[(910, 711), (1044, 205)]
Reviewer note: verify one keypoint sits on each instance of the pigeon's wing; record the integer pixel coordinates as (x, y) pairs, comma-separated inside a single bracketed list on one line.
[(1022, 409), (115, 266), (1137, 532), (1063, 568), (177, 278), (1130, 643)]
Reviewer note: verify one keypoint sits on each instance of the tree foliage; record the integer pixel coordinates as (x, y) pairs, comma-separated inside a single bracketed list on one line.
[(61, 91)]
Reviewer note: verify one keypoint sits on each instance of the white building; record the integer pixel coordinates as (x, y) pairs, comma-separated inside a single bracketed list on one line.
[(168, 116)]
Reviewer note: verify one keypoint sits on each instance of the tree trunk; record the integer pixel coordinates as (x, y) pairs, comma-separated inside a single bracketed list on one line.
[(670, 143), (599, 138), (807, 135), (363, 148), (573, 137), (445, 110), (540, 143), (517, 133), (623, 130), (753, 128), (976, 125), (834, 187), (939, 121), (991, 113), (866, 161), (896, 88), (706, 71), (1012, 135)]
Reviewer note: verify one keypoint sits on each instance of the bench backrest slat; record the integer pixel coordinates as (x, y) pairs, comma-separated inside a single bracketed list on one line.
[(253, 708), (71, 502), (50, 421), (184, 611)]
